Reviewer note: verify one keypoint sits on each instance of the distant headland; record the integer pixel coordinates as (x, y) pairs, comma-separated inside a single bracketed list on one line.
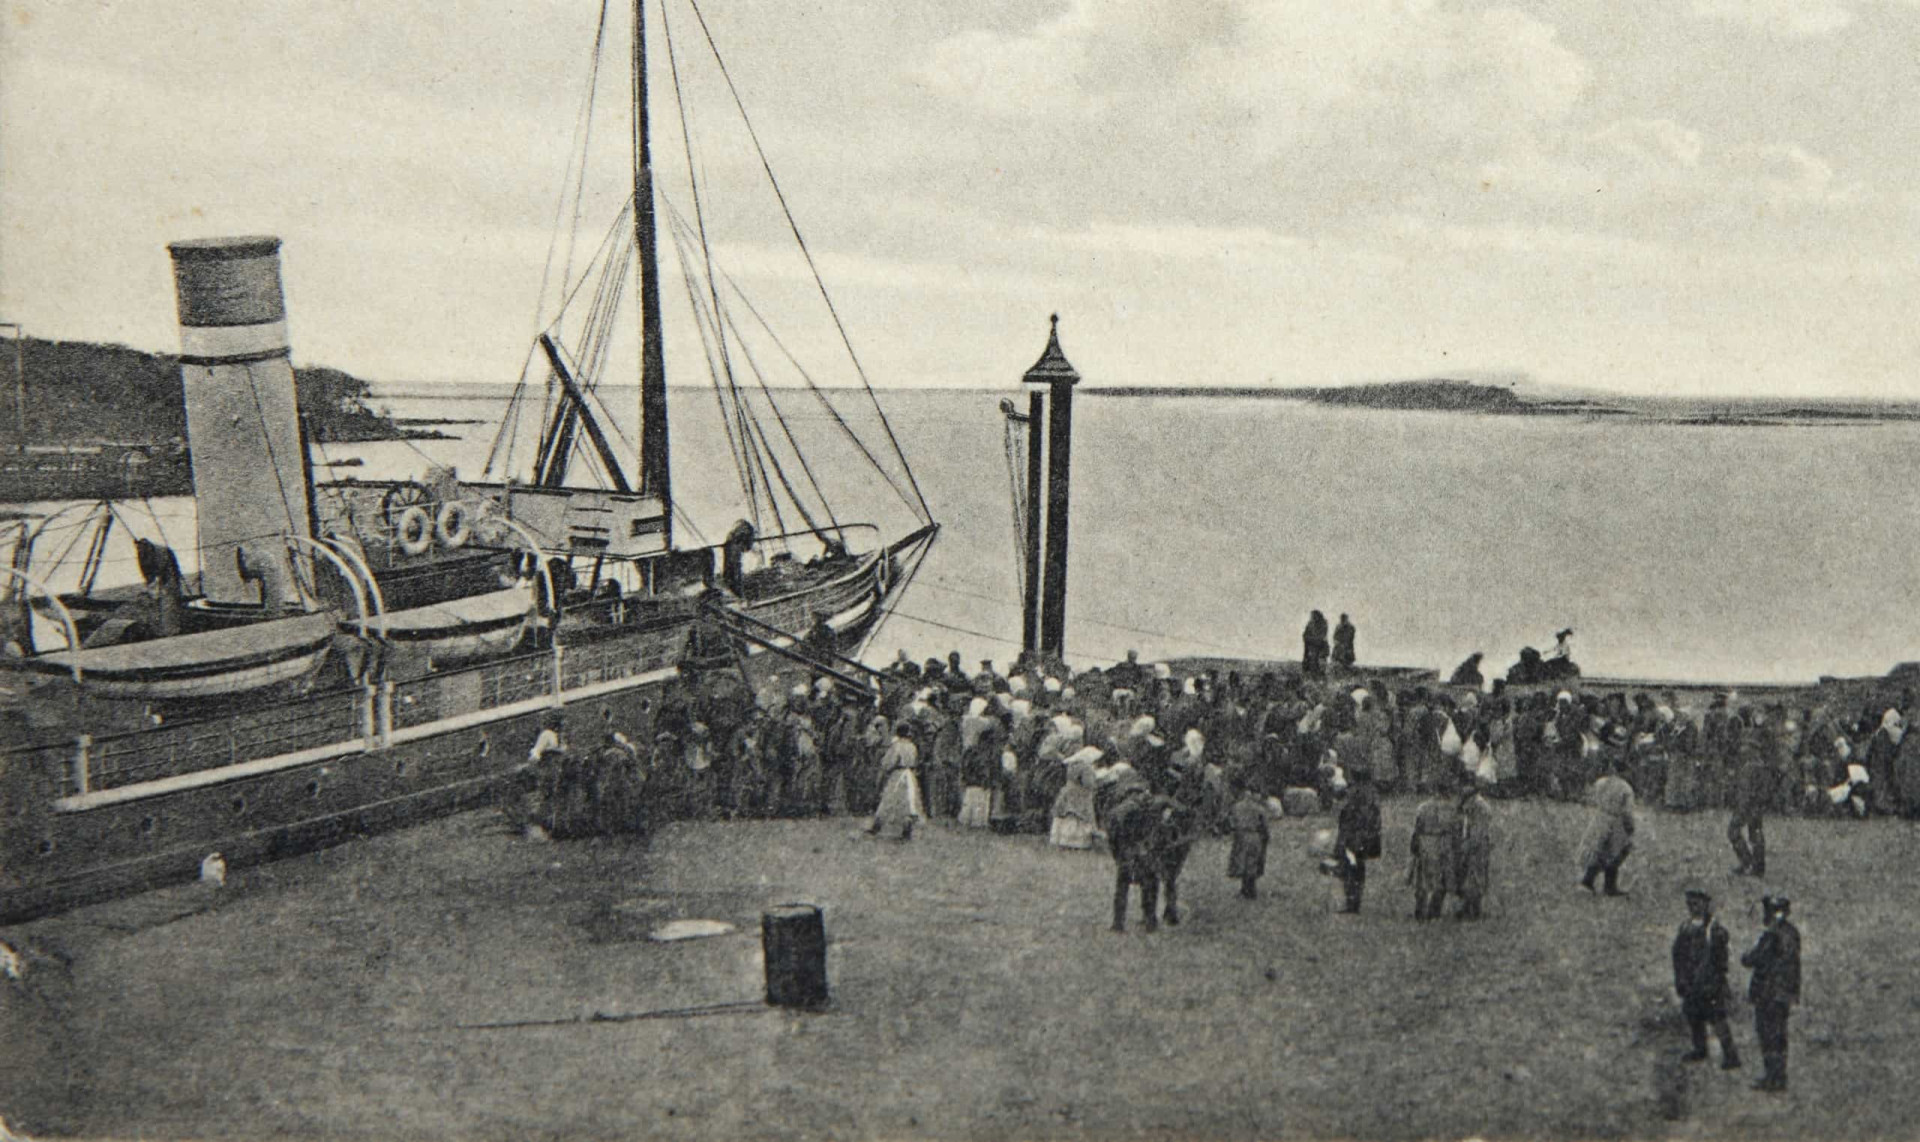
[(79, 392), (1447, 394), (87, 420)]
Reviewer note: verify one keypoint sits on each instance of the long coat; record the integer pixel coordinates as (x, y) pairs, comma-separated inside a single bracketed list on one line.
[(1476, 846), (1248, 856), (1700, 969), (1360, 821), (1880, 770), (1436, 848), (1610, 835), (1775, 961), (1906, 775)]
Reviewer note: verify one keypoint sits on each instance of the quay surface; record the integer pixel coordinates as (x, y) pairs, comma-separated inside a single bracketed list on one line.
[(976, 993)]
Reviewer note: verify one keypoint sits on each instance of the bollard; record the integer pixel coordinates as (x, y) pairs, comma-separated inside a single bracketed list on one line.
[(794, 940)]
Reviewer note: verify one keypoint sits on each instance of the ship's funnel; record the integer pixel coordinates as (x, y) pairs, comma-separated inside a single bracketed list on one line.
[(249, 463)]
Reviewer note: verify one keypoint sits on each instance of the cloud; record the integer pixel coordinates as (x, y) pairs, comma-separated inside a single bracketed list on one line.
[(1781, 17), (1179, 241), (1652, 142), (1790, 175), (1251, 79), (1792, 19), (1523, 239)]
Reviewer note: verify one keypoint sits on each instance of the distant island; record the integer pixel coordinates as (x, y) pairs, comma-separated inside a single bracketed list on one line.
[(107, 420), (1446, 394), (1438, 394)]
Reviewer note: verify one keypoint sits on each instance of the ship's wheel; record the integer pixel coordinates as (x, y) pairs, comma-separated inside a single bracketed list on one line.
[(401, 497)]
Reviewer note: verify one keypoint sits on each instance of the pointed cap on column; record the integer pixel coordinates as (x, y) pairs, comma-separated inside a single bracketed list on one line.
[(1053, 366)]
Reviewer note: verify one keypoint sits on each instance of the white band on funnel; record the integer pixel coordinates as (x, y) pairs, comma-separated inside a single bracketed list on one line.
[(220, 342)]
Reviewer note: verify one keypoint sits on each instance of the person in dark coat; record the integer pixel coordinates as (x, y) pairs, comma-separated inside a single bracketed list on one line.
[(1343, 654), (1700, 978), (1313, 645), (1881, 751), (1774, 988), (1468, 672), (1358, 840), (1754, 782), (1247, 861)]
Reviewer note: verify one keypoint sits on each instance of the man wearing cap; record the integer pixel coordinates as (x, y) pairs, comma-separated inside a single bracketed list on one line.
[(1700, 978), (1774, 988), (1359, 838)]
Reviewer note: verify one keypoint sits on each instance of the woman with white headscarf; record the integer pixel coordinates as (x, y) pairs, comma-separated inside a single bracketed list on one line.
[(1073, 816)]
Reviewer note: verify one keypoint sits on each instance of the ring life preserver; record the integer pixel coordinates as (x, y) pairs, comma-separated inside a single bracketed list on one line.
[(454, 525), (415, 530)]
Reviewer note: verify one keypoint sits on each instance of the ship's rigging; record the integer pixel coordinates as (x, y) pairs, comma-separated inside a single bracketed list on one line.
[(757, 378)]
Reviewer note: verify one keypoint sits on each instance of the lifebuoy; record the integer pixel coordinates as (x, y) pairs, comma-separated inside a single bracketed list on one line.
[(454, 526), (415, 530)]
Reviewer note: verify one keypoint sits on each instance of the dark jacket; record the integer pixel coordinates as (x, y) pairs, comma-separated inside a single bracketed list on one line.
[(1360, 821), (1700, 969), (1775, 961)]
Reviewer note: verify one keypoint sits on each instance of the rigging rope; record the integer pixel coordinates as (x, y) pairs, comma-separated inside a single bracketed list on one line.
[(819, 392), (787, 430), (739, 447), (706, 249), (898, 593), (266, 438), (794, 226), (1015, 444), (781, 472), (583, 123)]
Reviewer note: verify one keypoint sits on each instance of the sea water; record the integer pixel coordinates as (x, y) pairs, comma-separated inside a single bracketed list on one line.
[(1209, 526)]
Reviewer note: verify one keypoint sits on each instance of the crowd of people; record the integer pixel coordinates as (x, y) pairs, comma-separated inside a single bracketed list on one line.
[(1025, 750), (1043, 750)]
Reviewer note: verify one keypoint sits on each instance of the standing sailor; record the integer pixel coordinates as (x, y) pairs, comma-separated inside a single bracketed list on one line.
[(1700, 978), (1774, 989)]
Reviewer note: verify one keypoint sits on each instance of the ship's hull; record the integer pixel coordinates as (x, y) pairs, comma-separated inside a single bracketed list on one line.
[(94, 819)]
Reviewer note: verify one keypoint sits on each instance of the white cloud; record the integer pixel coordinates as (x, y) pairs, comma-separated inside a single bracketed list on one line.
[(1790, 18), (1781, 17), (1517, 238), (1654, 142), (1370, 73), (1790, 175), (1178, 240)]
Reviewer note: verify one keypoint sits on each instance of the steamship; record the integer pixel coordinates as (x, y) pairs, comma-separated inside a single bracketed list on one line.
[(358, 655)]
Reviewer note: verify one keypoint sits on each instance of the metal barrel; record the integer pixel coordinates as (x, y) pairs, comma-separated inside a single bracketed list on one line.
[(794, 939)]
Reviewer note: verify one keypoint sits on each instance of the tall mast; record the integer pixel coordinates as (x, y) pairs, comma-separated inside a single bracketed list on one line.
[(655, 474)]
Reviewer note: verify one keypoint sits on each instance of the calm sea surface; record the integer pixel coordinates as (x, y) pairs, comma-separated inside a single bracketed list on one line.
[(1214, 526)]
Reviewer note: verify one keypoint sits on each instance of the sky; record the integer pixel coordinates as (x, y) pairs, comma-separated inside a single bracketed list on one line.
[(1694, 197)]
